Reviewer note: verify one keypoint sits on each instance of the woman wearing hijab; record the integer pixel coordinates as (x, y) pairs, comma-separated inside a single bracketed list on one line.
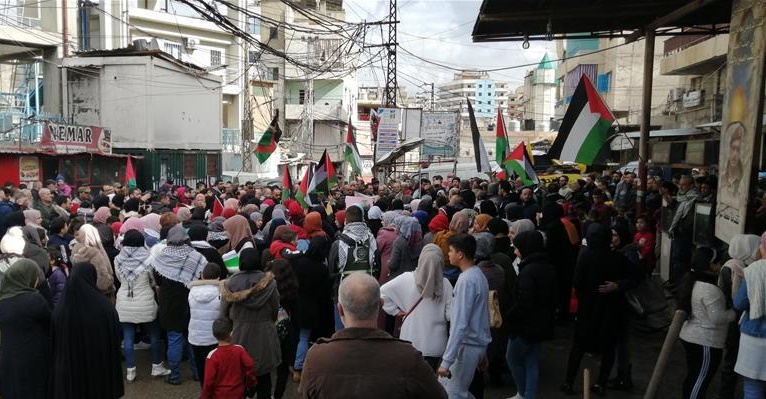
[(406, 248), (176, 265), (86, 341), (481, 223), (599, 278), (278, 218), (385, 240), (152, 229), (88, 248), (313, 296), (184, 215), (458, 225), (25, 323), (743, 250), (135, 302), (561, 253), (101, 215), (530, 319), (33, 217), (750, 300), (423, 298), (216, 235), (198, 236), (251, 300), (374, 216), (240, 235), (11, 249)]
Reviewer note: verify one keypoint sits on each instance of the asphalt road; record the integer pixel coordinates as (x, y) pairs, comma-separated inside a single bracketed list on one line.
[(645, 348)]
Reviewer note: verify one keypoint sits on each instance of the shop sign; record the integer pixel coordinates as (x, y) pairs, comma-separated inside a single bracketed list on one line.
[(75, 139), (29, 169)]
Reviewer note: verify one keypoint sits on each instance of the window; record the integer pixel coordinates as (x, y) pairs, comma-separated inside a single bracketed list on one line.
[(489, 86), (301, 96), (275, 73), (478, 102), (252, 56), (604, 82), (253, 25), (212, 165), (173, 49), (696, 83), (479, 86), (273, 32), (215, 57)]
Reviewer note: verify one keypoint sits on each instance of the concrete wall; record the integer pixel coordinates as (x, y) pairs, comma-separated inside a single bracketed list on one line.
[(148, 103)]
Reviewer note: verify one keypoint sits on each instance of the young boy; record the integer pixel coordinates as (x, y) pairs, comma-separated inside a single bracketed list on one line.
[(204, 304), (284, 244), (229, 370), (644, 238)]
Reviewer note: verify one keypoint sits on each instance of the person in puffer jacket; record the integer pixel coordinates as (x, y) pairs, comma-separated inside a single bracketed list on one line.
[(205, 306)]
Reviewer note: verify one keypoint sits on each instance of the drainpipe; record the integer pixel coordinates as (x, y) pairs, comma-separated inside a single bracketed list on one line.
[(65, 28)]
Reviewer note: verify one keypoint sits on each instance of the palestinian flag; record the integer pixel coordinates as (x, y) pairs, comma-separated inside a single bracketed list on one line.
[(519, 162), (130, 175), (479, 151), (351, 153), (324, 176), (585, 127), (268, 142), (302, 195), (287, 184), (217, 208), (502, 150)]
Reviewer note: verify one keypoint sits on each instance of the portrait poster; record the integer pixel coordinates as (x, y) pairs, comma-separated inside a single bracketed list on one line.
[(29, 169), (439, 129), (743, 107)]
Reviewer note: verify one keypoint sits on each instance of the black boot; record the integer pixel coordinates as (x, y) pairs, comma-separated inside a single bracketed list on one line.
[(624, 380)]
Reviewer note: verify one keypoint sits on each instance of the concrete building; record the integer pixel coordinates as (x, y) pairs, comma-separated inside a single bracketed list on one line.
[(699, 61), (616, 70), (135, 94), (485, 94), (539, 101)]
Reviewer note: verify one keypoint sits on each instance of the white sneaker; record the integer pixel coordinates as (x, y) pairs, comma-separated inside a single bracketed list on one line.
[(131, 374), (141, 346), (158, 370)]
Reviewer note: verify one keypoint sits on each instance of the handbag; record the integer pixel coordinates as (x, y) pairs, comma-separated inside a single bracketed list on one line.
[(400, 319)]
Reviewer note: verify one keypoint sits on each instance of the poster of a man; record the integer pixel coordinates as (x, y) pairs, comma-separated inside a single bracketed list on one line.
[(731, 175)]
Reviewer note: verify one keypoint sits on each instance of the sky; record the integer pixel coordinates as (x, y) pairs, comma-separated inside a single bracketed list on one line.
[(440, 30)]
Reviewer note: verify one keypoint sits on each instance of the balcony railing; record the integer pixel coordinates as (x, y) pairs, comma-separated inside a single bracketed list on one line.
[(231, 140), (12, 16), (680, 43)]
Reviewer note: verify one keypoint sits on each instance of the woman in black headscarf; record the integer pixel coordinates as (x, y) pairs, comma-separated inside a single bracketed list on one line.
[(599, 280), (86, 341), (251, 300), (561, 254), (25, 323), (198, 237)]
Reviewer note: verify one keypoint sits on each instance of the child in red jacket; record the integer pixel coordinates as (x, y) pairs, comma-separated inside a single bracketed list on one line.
[(229, 370), (284, 244), (644, 239)]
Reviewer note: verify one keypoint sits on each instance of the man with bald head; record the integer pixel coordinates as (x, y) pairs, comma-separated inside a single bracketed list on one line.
[(362, 360)]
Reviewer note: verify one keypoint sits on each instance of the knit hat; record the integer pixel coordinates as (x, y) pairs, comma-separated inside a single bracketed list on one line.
[(198, 232), (249, 260), (498, 227), (13, 241)]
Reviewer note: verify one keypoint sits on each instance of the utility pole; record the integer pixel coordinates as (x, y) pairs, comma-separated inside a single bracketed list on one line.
[(391, 85), (433, 105), (307, 119), (247, 123)]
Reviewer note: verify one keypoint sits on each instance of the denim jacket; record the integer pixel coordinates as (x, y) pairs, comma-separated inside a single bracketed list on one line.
[(755, 328)]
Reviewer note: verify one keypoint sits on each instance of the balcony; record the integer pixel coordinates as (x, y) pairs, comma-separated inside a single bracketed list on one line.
[(335, 112), (694, 55), (231, 140)]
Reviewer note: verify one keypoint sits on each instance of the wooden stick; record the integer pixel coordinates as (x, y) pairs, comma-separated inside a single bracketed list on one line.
[(667, 348), (586, 383)]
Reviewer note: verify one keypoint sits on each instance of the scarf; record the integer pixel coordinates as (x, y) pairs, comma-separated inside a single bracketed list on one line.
[(130, 263), (743, 250), (429, 273), (20, 278), (312, 225), (101, 215), (180, 263), (685, 204), (357, 231), (481, 223), (152, 222), (755, 277)]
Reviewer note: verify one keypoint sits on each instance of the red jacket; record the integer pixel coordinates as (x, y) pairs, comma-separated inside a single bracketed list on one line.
[(277, 246), (228, 371)]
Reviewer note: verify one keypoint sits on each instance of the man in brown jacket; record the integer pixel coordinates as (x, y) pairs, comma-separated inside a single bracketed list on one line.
[(361, 360)]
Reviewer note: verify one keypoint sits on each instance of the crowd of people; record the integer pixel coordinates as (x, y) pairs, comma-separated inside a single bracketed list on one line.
[(422, 288)]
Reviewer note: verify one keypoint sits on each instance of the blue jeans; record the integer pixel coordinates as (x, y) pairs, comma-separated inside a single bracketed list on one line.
[(524, 361), (463, 371), (754, 389), (177, 344), (303, 347), (155, 338)]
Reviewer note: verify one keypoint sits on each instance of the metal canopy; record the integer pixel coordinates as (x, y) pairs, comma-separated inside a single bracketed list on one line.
[(521, 20), (400, 150)]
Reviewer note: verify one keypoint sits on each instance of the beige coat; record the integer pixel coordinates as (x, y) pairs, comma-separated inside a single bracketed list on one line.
[(105, 273)]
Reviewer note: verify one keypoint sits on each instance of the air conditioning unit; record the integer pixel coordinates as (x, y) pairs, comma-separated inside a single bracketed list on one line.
[(191, 43)]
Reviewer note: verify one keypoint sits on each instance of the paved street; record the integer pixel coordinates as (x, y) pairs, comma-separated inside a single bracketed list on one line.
[(645, 348)]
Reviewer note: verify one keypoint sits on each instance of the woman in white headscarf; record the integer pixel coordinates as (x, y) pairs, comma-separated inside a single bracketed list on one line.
[(517, 227), (423, 299), (88, 249), (743, 250)]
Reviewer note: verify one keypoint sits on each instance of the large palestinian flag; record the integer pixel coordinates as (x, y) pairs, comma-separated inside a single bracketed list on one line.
[(268, 142), (585, 127), (479, 151), (324, 176), (302, 195), (519, 161), (287, 184)]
